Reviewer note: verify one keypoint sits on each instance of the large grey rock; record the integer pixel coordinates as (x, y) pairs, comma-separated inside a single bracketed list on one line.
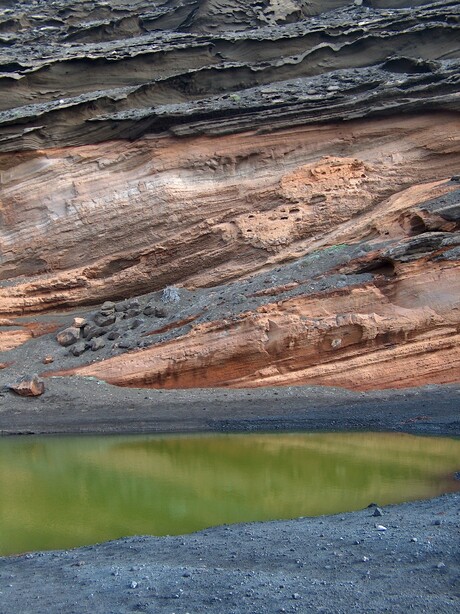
[(96, 344), (104, 319), (68, 336), (78, 348)]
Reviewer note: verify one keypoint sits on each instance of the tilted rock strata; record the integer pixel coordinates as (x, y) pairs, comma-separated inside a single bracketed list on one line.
[(116, 220), (287, 161), (400, 328)]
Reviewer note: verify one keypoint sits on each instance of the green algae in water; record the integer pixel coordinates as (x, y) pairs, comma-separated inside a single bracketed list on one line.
[(61, 492)]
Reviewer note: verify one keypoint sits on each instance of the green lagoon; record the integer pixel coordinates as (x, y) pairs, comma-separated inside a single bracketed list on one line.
[(62, 492)]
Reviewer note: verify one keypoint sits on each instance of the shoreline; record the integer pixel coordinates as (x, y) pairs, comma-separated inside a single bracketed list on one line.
[(326, 564), (86, 405)]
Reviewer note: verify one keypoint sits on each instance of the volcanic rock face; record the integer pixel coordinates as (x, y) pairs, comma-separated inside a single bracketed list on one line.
[(288, 162)]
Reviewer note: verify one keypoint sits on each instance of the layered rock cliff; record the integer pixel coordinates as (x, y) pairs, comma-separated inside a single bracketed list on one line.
[(290, 166)]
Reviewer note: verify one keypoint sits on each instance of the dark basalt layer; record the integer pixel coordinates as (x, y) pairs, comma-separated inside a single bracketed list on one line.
[(74, 73)]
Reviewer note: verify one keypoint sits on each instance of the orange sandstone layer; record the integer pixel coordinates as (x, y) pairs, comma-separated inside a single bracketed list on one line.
[(84, 224)]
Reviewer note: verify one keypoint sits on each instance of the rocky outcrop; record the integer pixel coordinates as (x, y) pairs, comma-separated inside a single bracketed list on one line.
[(75, 73), (122, 219), (290, 168), (358, 319)]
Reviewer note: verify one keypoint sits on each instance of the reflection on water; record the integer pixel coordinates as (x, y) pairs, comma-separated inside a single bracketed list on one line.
[(69, 491)]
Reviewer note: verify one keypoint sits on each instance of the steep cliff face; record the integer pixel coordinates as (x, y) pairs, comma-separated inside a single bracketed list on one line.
[(292, 157)]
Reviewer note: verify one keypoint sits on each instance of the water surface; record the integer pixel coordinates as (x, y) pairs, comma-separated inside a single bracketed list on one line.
[(61, 492)]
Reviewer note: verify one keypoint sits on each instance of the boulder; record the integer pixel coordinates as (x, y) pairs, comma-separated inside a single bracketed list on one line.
[(90, 331), (96, 344), (68, 336), (104, 319), (28, 386), (78, 348)]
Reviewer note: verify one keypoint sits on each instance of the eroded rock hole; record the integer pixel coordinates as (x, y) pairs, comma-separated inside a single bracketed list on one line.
[(382, 266)]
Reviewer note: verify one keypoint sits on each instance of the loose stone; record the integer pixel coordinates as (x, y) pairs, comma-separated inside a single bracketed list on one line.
[(97, 343), (104, 319), (136, 323), (149, 310), (78, 348), (377, 512), (28, 386), (90, 331), (133, 312), (161, 312), (68, 336)]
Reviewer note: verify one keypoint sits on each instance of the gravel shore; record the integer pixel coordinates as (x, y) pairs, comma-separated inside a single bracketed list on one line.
[(336, 564)]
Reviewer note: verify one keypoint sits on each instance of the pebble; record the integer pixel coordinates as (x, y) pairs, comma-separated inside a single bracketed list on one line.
[(414, 539), (133, 584), (296, 596), (380, 527), (377, 512)]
